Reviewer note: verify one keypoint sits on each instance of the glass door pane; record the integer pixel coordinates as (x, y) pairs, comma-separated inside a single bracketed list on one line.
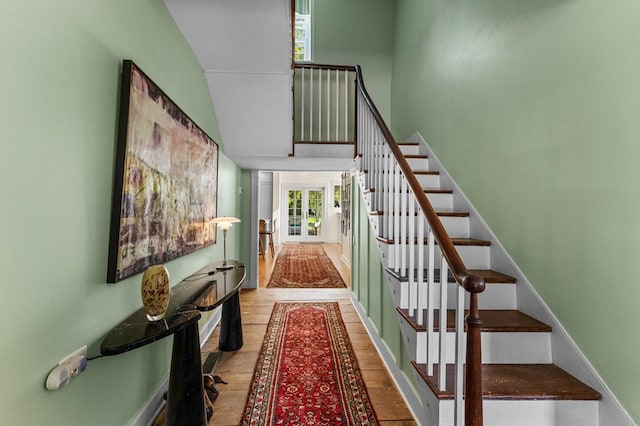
[(305, 213), (314, 212), (294, 222)]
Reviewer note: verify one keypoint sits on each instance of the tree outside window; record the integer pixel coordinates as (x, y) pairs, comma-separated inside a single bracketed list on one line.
[(302, 32)]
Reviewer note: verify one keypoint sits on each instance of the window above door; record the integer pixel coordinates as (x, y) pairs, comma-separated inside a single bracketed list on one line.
[(302, 31)]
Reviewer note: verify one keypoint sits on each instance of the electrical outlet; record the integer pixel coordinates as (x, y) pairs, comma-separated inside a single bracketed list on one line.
[(69, 367), (80, 352)]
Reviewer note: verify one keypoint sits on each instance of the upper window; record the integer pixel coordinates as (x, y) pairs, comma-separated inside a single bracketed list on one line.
[(302, 32)]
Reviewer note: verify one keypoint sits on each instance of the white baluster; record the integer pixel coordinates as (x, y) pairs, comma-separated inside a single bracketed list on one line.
[(328, 104), (302, 106), (397, 194), (319, 105), (442, 359), (311, 104), (403, 227), (413, 286), (460, 357), (386, 208), (346, 105), (431, 283), (337, 107), (421, 254)]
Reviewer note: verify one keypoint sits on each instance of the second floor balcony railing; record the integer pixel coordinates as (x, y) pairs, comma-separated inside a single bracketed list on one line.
[(324, 105)]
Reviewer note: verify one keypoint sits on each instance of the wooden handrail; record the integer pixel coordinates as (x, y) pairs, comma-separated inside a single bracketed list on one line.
[(310, 65), (474, 284)]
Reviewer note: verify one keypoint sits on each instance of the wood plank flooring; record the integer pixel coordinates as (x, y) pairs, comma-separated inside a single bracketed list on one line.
[(237, 367)]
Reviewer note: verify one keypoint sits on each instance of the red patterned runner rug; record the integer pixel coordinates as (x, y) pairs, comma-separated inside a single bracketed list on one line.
[(307, 372), (304, 266)]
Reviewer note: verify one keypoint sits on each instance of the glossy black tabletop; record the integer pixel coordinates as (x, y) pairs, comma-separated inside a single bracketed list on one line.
[(204, 290)]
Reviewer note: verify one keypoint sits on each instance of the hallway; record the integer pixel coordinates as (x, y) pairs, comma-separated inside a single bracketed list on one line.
[(237, 367)]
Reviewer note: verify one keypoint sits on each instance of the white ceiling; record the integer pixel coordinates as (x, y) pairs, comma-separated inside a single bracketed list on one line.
[(244, 48)]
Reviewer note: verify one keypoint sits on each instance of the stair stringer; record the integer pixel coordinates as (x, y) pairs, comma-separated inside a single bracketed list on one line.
[(565, 352)]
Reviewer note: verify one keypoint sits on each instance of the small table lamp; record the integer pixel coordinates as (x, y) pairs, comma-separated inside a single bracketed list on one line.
[(224, 223)]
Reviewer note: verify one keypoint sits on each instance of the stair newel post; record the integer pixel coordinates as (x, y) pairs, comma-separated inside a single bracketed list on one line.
[(473, 376)]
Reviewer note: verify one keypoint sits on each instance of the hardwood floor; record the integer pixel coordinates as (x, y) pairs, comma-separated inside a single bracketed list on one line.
[(237, 367)]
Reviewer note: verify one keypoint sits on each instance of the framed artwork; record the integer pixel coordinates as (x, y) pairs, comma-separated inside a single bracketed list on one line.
[(165, 183)]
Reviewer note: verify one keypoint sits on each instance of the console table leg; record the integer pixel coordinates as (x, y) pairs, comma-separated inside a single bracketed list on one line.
[(231, 325), (185, 400)]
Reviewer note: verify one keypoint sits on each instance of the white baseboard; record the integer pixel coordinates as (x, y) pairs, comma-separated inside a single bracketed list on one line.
[(150, 410)]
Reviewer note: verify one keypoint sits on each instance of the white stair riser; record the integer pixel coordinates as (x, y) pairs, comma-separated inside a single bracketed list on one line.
[(418, 163), (438, 201), (410, 149), (429, 181), (495, 296), (441, 201), (497, 348), (456, 227), (474, 257), (510, 413), (540, 413)]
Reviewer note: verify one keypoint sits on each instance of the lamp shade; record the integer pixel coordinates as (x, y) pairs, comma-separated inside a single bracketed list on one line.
[(225, 221)]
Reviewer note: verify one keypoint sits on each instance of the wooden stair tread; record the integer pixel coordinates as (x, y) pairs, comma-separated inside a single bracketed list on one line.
[(518, 382), (428, 190), (493, 320), (426, 172), (408, 143), (324, 142), (469, 242), (437, 191), (415, 156), (453, 214), (455, 241), (489, 276), (439, 213)]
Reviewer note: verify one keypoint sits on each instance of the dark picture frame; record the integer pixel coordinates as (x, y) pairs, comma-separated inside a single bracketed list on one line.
[(165, 182)]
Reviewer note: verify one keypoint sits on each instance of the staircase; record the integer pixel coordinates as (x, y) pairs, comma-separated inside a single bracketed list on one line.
[(510, 364)]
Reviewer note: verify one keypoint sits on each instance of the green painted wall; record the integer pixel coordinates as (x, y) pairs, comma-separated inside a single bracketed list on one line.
[(369, 285), (59, 83), (357, 32), (533, 108)]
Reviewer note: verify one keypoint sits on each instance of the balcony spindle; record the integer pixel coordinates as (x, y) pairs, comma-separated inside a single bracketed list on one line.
[(328, 105), (311, 104)]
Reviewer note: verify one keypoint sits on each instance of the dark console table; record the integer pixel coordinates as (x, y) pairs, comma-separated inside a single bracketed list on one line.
[(202, 291)]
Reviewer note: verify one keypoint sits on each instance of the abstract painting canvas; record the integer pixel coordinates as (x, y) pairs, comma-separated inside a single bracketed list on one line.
[(165, 183)]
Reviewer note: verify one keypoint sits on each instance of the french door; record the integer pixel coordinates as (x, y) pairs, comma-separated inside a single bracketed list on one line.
[(305, 212)]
